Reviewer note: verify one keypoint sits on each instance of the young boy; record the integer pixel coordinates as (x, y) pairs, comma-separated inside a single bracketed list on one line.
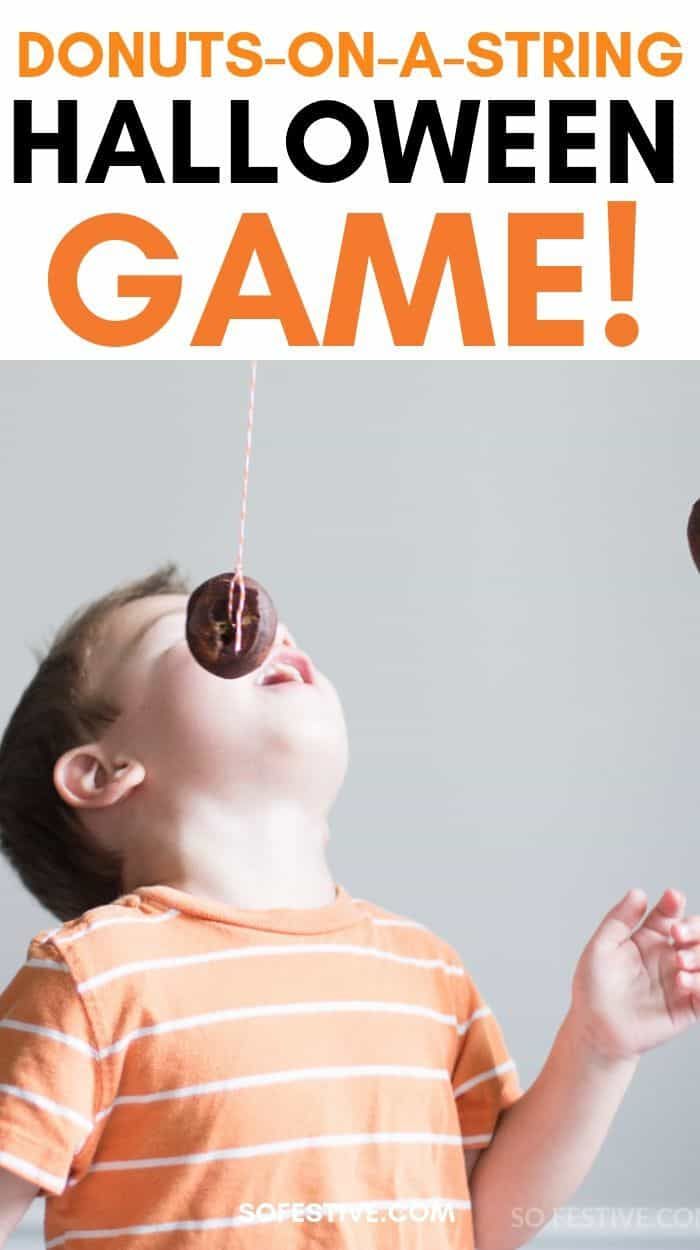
[(219, 1046)]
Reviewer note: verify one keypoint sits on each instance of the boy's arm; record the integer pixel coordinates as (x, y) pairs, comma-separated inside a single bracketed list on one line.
[(470, 1158), (16, 1195), (545, 1143), (629, 994), (48, 1072)]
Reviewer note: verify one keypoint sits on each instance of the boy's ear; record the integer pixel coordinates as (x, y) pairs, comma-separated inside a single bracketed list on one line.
[(85, 777)]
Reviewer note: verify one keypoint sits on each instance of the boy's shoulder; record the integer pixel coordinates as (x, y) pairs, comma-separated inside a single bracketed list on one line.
[(99, 935), (76, 975), (407, 930)]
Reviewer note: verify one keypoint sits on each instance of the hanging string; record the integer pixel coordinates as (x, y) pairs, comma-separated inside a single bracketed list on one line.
[(238, 574)]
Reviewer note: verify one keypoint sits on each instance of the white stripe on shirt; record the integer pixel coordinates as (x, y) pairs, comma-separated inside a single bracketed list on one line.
[(242, 1013), (29, 1170), (263, 950), (508, 1066), (281, 1078), (92, 925), (278, 1009), (58, 965), (65, 1039), (283, 1146), (48, 1104)]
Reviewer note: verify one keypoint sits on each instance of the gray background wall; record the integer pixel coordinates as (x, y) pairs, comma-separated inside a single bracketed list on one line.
[(490, 563)]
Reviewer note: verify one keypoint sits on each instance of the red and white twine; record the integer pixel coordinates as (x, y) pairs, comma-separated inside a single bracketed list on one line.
[(238, 574)]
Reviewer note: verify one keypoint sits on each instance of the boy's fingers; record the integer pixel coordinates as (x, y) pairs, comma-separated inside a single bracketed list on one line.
[(686, 931), (689, 957), (669, 909), (689, 982), (621, 920)]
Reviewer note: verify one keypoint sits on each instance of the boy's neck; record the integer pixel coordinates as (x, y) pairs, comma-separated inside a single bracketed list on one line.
[(260, 860)]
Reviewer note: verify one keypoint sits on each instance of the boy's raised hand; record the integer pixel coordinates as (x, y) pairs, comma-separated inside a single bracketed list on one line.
[(637, 983)]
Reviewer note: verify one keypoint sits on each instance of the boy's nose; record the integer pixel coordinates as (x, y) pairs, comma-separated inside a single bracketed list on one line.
[(283, 637)]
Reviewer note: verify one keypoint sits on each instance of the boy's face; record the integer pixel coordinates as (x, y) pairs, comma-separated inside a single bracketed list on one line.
[(201, 733)]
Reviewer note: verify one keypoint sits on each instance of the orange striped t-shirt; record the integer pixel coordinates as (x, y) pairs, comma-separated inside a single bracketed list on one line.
[(177, 1072)]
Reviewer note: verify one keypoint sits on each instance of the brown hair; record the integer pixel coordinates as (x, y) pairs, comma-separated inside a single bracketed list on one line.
[(40, 834)]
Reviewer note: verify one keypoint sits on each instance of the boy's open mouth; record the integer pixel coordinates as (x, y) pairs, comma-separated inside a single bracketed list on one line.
[(286, 666)]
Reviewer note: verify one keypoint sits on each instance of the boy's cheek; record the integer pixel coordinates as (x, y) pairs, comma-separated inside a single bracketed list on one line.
[(193, 699)]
